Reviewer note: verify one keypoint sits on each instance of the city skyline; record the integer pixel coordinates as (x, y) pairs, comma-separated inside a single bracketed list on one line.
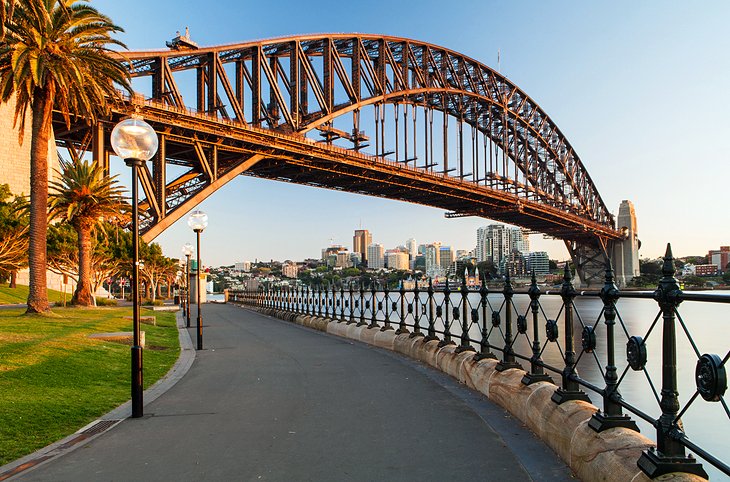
[(609, 75)]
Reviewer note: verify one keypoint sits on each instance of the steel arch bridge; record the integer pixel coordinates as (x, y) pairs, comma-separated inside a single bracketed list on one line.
[(369, 114)]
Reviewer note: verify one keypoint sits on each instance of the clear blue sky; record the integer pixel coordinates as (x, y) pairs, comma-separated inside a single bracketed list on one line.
[(639, 88)]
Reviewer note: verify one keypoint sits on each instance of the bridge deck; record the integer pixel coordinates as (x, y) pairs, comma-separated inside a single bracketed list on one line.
[(268, 400)]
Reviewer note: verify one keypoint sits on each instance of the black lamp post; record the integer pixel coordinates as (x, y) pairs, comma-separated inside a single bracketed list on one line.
[(198, 221), (136, 142), (187, 251)]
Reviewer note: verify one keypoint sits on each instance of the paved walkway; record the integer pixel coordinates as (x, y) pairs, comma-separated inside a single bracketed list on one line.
[(269, 400)]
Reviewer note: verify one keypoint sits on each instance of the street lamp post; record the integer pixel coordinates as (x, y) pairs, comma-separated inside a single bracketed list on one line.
[(198, 221), (136, 142), (187, 251)]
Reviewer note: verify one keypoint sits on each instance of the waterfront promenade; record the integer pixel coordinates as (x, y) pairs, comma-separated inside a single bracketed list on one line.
[(269, 400)]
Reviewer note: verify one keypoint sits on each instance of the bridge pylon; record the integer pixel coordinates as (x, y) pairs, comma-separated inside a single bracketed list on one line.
[(590, 256)]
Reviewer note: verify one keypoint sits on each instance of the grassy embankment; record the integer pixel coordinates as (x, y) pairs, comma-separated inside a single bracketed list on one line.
[(19, 295), (54, 379)]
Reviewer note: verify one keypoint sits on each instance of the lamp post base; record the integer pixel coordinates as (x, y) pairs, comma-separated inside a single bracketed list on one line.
[(200, 333), (137, 386)]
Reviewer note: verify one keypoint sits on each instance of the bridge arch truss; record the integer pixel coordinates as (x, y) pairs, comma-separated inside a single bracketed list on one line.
[(377, 115)]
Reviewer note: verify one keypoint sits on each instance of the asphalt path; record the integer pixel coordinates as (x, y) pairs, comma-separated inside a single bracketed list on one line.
[(270, 400)]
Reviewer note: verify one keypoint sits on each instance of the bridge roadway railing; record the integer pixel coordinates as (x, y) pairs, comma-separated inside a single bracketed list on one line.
[(498, 325)]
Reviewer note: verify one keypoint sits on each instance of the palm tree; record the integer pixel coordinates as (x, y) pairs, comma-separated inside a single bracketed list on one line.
[(84, 196), (55, 55)]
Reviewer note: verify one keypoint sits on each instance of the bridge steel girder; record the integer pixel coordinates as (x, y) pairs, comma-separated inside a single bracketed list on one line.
[(392, 70), (284, 88)]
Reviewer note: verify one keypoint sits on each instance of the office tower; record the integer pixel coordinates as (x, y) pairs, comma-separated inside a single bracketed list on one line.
[(375, 256), (538, 261), (360, 243)]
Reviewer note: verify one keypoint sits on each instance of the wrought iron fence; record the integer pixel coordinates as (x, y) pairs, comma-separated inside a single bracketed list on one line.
[(497, 325)]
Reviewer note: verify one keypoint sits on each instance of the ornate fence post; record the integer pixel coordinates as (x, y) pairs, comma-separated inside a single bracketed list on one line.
[(402, 322), (570, 390), (612, 415), (508, 355), (373, 307), (536, 371), (352, 306), (416, 315), (447, 318), (326, 300), (484, 351), (342, 301), (306, 300), (296, 298), (362, 305), (319, 298), (465, 343), (669, 455), (387, 326), (431, 328)]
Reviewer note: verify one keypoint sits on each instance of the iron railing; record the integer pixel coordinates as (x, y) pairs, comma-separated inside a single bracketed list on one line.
[(494, 322)]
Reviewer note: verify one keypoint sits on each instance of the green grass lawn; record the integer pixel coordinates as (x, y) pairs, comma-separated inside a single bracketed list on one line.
[(12, 296), (54, 379)]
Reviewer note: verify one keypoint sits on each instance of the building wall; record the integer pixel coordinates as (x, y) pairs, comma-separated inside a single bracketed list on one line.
[(360, 243), (539, 261), (14, 157), (376, 258), (15, 169), (397, 260)]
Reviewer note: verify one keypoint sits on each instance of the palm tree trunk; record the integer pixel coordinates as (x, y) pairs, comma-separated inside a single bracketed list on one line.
[(37, 293), (82, 295)]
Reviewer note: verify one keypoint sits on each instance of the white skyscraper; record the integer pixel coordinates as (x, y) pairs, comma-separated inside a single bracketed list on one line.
[(496, 241), (519, 240), (412, 248), (375, 253), (433, 260)]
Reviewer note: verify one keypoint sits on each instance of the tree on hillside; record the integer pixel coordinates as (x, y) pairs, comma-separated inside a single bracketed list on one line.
[(84, 196), (54, 55), (13, 234)]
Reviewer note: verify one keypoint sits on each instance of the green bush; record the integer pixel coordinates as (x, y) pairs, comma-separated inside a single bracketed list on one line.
[(106, 302), (149, 302)]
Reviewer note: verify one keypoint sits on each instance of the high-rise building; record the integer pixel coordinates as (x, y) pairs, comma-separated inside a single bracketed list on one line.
[(515, 263), (343, 259), (360, 242), (396, 259), (496, 241), (433, 260), (539, 262), (446, 258), (412, 248), (376, 256), (519, 240)]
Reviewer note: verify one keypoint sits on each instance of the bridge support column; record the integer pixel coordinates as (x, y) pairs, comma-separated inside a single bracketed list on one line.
[(625, 253), (589, 256)]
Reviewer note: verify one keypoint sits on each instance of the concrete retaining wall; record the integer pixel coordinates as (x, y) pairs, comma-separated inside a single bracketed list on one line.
[(610, 455)]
